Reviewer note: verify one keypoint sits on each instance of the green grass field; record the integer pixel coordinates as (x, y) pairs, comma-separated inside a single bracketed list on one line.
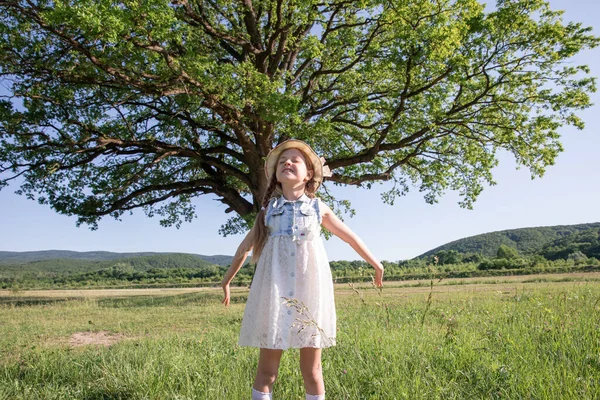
[(512, 339)]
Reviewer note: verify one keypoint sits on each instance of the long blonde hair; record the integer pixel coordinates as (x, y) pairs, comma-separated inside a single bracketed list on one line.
[(260, 224)]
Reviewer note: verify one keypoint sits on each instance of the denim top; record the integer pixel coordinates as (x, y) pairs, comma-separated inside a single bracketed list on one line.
[(300, 219)]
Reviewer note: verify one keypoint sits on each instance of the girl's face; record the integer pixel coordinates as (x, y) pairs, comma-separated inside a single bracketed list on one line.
[(291, 168)]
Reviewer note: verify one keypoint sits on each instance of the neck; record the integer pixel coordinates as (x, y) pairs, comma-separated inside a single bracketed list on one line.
[(293, 193)]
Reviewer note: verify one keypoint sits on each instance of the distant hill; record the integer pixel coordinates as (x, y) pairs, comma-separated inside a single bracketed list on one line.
[(218, 259), (526, 240), (586, 242), (12, 257), (66, 266)]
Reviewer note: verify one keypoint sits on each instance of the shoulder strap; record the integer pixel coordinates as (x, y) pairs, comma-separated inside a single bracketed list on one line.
[(269, 208), (315, 202)]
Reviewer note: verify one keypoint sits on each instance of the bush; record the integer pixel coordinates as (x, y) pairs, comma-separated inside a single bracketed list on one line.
[(503, 263), (578, 257), (507, 252)]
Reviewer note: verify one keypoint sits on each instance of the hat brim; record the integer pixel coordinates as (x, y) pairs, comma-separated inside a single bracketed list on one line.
[(273, 157)]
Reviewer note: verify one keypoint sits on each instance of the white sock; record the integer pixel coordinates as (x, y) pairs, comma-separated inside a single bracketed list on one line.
[(315, 396), (257, 395)]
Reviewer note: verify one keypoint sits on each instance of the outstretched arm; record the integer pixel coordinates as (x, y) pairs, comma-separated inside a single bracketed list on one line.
[(237, 262), (334, 225)]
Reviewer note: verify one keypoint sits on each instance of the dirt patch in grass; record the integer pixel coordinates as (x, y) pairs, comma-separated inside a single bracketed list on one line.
[(102, 338)]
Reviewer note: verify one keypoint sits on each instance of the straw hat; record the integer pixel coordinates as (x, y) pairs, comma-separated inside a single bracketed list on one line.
[(317, 162)]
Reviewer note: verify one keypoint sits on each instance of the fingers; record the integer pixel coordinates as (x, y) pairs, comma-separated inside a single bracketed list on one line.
[(227, 297), (377, 281)]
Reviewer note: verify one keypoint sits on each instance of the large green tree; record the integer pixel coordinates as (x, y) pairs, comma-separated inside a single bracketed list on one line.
[(116, 105)]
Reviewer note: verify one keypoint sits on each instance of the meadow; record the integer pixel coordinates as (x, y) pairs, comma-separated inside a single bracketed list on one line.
[(529, 337)]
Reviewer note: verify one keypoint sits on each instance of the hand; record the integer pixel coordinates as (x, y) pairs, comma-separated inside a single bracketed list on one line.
[(227, 298), (378, 280)]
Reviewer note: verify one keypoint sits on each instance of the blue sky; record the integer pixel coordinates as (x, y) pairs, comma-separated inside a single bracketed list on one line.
[(569, 193)]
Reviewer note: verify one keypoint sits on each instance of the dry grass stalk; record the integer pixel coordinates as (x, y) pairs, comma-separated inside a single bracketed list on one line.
[(306, 320)]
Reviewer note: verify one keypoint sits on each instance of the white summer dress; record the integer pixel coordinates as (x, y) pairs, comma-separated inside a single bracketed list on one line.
[(291, 304)]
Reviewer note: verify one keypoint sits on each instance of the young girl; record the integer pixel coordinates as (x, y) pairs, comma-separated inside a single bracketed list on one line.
[(290, 304)]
